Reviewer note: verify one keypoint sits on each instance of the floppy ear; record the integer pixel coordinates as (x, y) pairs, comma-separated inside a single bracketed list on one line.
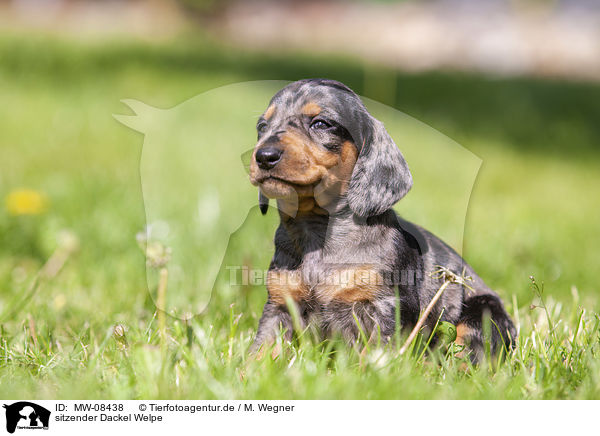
[(381, 176)]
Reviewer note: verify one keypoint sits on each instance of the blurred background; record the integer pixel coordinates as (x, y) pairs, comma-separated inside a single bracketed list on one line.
[(516, 82)]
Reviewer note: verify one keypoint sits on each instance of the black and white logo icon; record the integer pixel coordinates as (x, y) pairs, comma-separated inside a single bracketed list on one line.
[(26, 415)]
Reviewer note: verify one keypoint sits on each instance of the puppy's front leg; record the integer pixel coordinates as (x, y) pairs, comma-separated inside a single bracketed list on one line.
[(275, 318)]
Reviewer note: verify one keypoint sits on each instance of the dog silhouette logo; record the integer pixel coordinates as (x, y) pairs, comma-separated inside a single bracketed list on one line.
[(26, 415), (194, 174)]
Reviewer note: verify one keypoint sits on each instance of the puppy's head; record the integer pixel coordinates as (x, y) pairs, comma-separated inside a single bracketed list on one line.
[(317, 144)]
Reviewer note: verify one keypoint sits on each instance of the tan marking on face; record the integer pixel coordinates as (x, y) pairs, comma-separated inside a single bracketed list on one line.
[(311, 109), (302, 165), (304, 162), (283, 284), (311, 176), (277, 189), (335, 182), (350, 285), (286, 183), (269, 112)]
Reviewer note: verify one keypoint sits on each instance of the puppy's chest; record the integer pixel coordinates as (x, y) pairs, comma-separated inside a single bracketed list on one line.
[(325, 282)]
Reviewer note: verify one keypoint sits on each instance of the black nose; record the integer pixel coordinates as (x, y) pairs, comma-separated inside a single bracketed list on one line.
[(267, 157)]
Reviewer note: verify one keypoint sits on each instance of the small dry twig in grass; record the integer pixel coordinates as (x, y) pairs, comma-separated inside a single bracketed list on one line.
[(449, 277)]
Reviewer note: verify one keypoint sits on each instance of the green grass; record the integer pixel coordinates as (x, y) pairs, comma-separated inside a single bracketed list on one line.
[(533, 211)]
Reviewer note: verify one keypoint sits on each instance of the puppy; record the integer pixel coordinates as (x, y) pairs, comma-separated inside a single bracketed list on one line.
[(342, 255)]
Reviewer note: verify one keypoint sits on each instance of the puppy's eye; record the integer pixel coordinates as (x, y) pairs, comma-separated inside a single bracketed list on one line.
[(320, 125), (261, 128)]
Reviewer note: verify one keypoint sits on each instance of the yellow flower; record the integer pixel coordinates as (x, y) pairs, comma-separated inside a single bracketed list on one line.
[(26, 202)]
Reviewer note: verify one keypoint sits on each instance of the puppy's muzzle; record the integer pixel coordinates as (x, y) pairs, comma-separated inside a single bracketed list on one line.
[(267, 157)]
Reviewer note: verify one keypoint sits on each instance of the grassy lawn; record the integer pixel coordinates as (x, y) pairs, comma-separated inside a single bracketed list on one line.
[(533, 211)]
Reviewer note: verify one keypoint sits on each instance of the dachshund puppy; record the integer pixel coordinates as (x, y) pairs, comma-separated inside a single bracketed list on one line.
[(342, 255)]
